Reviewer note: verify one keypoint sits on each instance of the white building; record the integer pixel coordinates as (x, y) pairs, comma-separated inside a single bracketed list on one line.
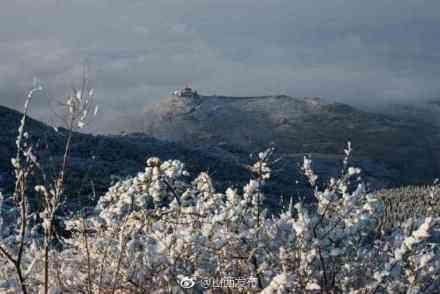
[(185, 92)]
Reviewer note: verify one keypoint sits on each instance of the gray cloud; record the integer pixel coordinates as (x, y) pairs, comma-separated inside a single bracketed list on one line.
[(139, 51)]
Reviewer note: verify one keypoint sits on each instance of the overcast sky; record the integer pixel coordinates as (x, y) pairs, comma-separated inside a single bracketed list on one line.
[(140, 50)]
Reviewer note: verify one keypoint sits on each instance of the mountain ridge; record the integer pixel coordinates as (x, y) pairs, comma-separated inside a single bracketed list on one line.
[(300, 126)]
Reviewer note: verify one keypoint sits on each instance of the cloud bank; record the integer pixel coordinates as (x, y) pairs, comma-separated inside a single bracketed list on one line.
[(138, 51)]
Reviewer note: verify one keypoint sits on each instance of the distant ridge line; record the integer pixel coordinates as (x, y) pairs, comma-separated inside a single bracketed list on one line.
[(254, 97)]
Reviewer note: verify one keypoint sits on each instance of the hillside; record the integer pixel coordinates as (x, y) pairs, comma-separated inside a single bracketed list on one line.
[(391, 150), (99, 158)]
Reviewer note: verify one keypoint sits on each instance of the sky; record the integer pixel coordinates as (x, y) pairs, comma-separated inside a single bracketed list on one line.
[(138, 51)]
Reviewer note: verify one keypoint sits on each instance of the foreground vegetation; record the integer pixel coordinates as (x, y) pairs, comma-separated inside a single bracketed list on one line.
[(158, 232)]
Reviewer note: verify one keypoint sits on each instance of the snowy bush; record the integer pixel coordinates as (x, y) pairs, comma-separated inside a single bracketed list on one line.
[(150, 233)]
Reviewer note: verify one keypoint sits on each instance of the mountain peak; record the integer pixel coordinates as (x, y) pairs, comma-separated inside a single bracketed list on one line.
[(295, 126)]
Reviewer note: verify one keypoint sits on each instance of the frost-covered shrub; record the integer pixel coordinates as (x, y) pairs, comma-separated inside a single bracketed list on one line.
[(27, 233), (155, 231)]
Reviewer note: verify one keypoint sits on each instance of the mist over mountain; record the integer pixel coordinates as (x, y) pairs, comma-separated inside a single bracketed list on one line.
[(356, 52), (423, 110)]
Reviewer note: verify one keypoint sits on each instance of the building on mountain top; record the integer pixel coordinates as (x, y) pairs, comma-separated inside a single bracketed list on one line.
[(186, 92)]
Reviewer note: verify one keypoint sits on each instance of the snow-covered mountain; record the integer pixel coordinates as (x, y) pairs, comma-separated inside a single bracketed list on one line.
[(392, 150)]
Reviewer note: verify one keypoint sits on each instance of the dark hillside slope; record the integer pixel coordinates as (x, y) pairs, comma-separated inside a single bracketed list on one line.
[(98, 158)]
